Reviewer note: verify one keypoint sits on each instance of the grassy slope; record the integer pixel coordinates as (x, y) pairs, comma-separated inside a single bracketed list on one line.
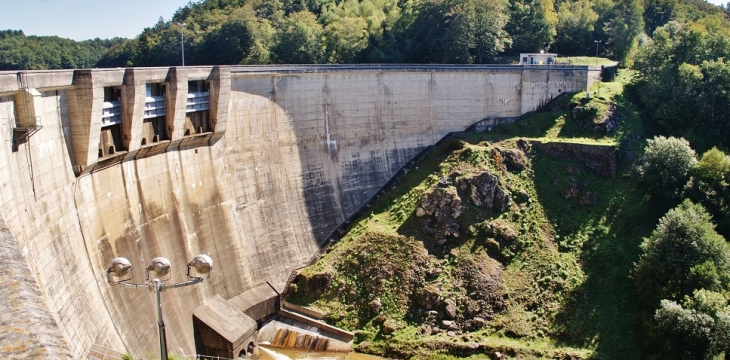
[(567, 279)]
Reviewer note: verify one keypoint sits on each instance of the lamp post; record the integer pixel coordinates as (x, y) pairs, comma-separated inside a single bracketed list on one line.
[(182, 41), (597, 42), (119, 272)]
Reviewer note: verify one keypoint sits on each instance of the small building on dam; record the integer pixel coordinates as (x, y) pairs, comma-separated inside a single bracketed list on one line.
[(253, 165)]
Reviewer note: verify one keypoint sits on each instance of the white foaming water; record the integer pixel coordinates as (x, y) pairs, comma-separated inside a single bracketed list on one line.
[(266, 353), (271, 354)]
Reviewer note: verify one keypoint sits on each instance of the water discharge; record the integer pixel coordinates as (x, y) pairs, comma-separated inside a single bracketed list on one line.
[(267, 353)]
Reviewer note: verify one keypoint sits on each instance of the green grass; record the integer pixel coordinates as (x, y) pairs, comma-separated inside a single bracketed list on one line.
[(586, 60), (566, 276)]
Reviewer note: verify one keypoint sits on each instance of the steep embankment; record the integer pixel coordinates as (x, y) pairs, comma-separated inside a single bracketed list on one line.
[(518, 242)]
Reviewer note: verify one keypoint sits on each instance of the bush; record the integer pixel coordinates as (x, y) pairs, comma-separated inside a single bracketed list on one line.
[(714, 167), (684, 253), (709, 186), (667, 165), (698, 329)]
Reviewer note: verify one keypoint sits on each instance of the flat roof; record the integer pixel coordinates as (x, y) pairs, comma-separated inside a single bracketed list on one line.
[(227, 321)]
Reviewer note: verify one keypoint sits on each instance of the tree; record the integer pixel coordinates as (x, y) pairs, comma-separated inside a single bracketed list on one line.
[(667, 165), (683, 253), (658, 13), (710, 186), (457, 31), (243, 39), (346, 38), (698, 329), (531, 24), (685, 82), (624, 28), (300, 40), (576, 24)]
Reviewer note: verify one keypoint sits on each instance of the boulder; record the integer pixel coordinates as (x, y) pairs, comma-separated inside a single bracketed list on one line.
[(477, 323), (389, 328), (450, 309), (429, 297), (443, 206), (376, 306), (486, 190), (512, 159)]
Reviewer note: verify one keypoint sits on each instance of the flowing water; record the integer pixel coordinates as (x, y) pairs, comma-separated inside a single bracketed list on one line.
[(267, 353)]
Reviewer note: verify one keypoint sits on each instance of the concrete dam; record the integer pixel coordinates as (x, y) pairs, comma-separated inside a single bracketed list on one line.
[(253, 165)]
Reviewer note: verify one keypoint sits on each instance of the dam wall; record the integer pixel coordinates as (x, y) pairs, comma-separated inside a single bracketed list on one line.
[(252, 165)]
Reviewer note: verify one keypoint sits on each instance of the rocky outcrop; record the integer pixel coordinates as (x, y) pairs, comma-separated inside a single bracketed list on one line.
[(315, 284), (512, 159), (599, 158), (429, 297), (590, 118), (443, 206), (486, 190)]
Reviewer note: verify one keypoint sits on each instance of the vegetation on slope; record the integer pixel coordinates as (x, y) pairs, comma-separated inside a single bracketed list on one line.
[(547, 276), (574, 266)]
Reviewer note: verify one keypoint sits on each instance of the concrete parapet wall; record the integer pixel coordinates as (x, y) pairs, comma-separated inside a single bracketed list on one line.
[(293, 152)]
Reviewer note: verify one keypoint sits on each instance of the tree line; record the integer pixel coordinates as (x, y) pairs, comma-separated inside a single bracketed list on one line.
[(21, 52), (366, 31)]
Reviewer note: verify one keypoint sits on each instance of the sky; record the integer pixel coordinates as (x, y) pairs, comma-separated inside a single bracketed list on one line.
[(85, 19), (88, 19)]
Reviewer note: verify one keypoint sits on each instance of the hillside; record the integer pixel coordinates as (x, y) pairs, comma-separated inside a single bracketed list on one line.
[(21, 52), (493, 246)]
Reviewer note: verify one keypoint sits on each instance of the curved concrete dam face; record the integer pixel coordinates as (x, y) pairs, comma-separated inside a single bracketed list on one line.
[(254, 166)]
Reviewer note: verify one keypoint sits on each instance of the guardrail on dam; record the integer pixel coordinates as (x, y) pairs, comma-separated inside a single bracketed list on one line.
[(253, 165)]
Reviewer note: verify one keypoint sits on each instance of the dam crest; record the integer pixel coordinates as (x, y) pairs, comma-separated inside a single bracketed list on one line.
[(253, 165)]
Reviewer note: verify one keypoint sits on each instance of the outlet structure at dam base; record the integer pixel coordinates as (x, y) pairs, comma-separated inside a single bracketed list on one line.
[(253, 165)]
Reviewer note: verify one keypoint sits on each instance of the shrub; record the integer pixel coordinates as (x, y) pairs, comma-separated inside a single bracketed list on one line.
[(683, 253), (667, 165), (697, 329), (709, 186)]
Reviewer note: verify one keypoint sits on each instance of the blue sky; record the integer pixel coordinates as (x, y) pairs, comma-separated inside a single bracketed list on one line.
[(85, 19), (88, 19)]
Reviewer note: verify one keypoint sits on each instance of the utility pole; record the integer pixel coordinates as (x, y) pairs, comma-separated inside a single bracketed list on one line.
[(596, 41), (182, 42)]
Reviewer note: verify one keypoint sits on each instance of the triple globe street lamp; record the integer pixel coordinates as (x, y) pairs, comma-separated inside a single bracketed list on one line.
[(119, 272)]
